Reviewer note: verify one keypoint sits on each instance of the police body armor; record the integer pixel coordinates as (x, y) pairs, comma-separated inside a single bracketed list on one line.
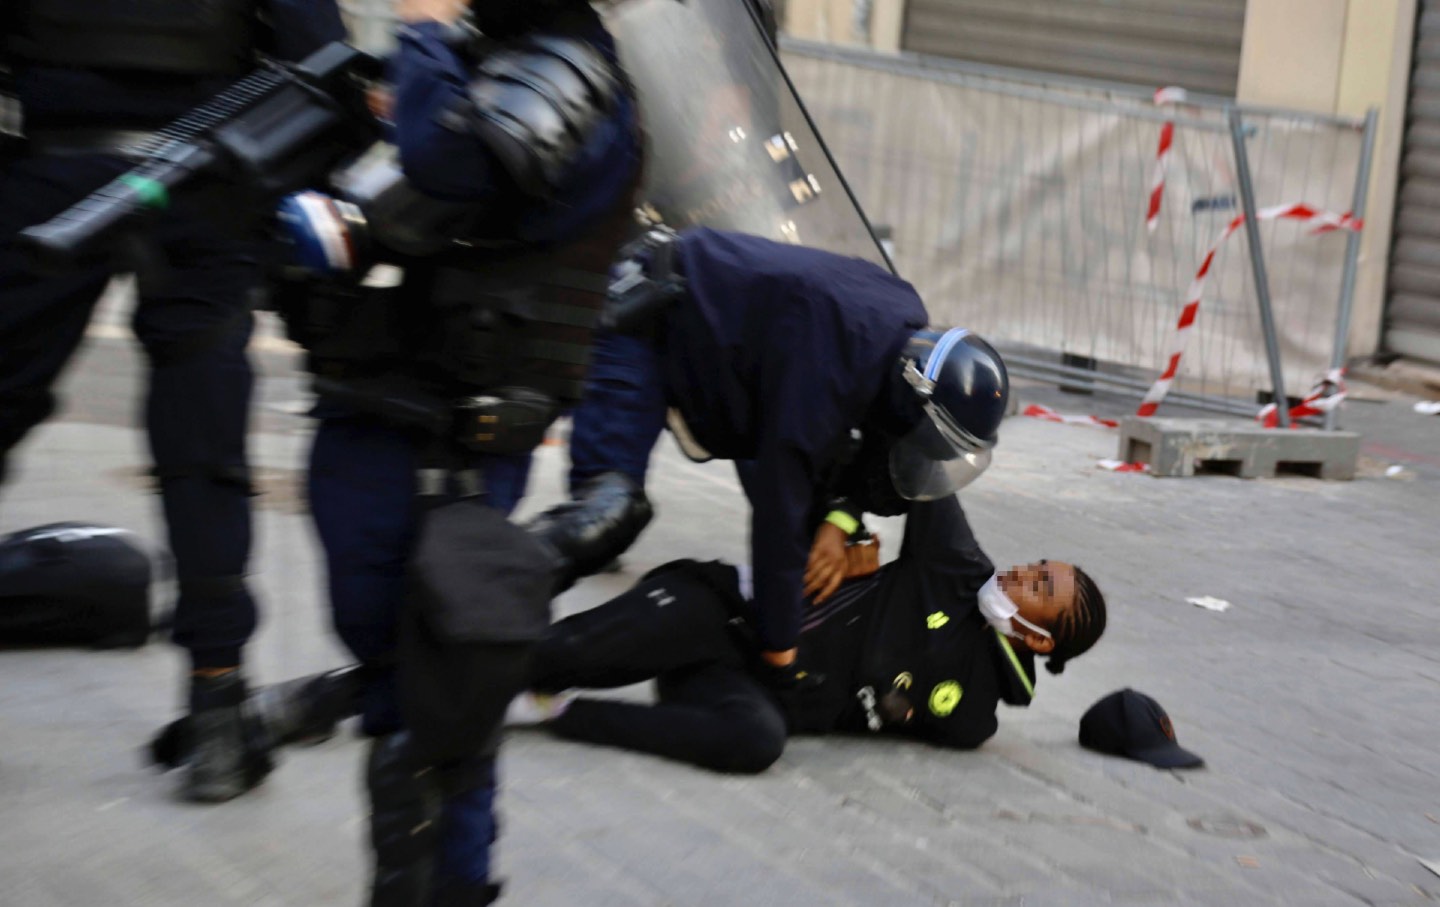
[(503, 342), (210, 38)]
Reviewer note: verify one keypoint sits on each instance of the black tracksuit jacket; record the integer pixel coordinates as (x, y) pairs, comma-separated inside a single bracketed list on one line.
[(914, 637)]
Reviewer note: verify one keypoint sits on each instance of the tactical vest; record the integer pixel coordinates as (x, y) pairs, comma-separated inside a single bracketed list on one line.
[(190, 37), (479, 317), (527, 319)]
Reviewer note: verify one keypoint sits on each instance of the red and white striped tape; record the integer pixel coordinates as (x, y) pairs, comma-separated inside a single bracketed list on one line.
[(1163, 96), (1327, 394), (1322, 221), (1122, 466), (1045, 413), (1036, 411)]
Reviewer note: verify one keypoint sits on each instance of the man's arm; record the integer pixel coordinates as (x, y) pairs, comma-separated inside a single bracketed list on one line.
[(298, 28), (939, 537)]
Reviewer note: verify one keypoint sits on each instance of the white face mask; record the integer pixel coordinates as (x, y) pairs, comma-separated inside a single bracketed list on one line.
[(999, 611)]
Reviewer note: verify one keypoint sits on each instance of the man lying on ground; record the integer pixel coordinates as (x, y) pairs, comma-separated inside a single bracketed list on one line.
[(926, 647)]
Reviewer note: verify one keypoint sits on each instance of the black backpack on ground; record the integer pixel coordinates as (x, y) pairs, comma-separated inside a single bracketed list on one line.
[(74, 584)]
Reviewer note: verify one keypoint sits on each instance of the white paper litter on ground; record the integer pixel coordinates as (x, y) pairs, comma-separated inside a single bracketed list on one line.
[(1428, 408), (1210, 603), (1394, 470)]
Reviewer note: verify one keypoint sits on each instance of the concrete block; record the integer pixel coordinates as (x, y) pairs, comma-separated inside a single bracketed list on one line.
[(1187, 447)]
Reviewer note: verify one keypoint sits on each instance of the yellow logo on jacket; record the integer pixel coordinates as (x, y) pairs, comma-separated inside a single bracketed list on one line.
[(937, 620), (945, 697)]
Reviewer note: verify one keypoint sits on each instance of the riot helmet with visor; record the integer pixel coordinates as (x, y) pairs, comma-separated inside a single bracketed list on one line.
[(963, 389)]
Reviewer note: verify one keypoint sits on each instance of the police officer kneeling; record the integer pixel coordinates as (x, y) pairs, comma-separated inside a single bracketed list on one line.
[(438, 371)]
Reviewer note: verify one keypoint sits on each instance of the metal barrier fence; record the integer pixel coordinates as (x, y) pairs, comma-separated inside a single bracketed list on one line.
[(1018, 208)]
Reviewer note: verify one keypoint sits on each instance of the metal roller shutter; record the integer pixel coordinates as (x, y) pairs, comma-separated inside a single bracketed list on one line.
[(1191, 43), (1413, 316)]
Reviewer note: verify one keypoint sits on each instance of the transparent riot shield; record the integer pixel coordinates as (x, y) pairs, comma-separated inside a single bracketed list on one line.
[(730, 145)]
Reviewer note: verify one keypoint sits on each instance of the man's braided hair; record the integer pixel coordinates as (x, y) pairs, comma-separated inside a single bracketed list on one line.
[(1080, 626)]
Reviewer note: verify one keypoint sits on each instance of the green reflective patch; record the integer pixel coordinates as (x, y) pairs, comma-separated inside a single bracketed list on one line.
[(152, 194), (937, 620), (945, 697)]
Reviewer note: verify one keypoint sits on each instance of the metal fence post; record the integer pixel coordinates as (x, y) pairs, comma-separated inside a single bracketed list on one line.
[(1257, 263), (1352, 251)]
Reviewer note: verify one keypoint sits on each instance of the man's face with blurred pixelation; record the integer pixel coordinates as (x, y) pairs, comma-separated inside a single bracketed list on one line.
[(1043, 591)]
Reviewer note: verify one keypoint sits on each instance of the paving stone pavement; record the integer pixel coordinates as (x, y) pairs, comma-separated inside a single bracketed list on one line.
[(1313, 699)]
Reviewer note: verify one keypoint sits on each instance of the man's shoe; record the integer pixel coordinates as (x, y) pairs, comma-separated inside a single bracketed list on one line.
[(305, 711), (225, 760), (301, 712)]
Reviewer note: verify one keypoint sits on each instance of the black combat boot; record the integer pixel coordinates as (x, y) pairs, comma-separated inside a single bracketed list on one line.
[(303, 712), (456, 894), (224, 761), (405, 803)]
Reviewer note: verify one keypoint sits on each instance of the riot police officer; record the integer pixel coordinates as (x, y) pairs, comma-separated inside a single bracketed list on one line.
[(773, 354), (520, 153), (93, 81)]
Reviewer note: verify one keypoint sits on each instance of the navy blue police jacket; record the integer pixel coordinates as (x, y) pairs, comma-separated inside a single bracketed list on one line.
[(775, 353), (914, 633), (431, 76), (60, 97)]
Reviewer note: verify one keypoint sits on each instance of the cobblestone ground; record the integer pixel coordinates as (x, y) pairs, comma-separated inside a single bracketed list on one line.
[(1313, 699)]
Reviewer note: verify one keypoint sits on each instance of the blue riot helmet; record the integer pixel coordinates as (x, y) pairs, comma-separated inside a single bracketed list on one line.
[(963, 388)]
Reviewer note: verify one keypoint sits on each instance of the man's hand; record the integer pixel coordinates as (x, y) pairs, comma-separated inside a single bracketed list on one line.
[(779, 659), (826, 569), (444, 11)]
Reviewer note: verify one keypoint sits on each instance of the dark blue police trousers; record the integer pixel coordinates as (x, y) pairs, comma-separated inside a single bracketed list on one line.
[(194, 323), (362, 494), (620, 418)]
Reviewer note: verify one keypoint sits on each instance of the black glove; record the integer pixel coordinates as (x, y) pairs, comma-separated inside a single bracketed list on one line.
[(606, 517)]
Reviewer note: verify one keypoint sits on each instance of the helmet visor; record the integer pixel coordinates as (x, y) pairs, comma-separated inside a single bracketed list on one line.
[(936, 458)]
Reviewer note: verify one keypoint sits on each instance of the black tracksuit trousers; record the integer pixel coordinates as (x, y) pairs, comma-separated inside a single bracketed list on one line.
[(678, 626)]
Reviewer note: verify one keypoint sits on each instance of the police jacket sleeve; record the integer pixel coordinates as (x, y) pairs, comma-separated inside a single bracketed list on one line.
[(298, 28), (780, 541), (430, 77), (800, 420), (518, 122)]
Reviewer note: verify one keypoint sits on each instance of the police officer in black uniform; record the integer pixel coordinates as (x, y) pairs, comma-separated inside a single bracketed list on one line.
[(93, 80), (439, 365)]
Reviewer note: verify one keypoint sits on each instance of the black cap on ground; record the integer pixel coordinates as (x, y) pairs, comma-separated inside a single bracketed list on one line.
[(1130, 724)]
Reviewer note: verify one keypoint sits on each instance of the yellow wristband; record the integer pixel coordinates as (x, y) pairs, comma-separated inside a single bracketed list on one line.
[(844, 521)]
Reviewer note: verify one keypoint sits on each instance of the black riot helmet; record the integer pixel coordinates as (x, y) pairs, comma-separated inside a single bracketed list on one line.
[(74, 584), (963, 388)]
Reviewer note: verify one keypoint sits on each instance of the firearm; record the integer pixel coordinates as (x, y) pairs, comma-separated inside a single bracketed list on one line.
[(274, 131)]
